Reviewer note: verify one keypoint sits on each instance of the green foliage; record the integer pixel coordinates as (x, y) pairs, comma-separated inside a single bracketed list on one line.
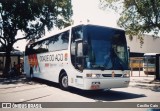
[(32, 17), (137, 16)]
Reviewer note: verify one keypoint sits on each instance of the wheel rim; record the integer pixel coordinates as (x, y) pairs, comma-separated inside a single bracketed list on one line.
[(65, 81)]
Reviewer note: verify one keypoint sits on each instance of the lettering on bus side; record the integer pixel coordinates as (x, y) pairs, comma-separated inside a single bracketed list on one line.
[(59, 57), (53, 57)]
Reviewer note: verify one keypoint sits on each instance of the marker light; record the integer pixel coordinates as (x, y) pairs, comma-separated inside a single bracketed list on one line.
[(126, 74)]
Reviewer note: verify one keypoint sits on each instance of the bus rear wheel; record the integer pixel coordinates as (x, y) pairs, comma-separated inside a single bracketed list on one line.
[(64, 81)]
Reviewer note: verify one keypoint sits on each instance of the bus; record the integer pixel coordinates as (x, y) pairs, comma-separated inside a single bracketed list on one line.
[(149, 66), (84, 56), (136, 63)]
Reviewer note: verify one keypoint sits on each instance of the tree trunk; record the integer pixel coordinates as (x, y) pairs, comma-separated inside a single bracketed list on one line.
[(7, 62)]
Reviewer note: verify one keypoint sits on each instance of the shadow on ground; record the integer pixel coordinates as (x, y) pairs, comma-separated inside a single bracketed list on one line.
[(155, 88), (110, 95), (16, 80), (99, 95)]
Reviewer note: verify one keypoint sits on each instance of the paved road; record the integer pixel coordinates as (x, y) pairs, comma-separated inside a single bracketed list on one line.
[(23, 90)]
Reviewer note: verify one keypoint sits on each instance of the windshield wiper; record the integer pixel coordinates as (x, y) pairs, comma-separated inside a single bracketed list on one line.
[(119, 61), (121, 66), (101, 67), (116, 59)]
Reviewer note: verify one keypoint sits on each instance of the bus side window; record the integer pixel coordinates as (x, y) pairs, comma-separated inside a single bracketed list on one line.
[(59, 42), (36, 48)]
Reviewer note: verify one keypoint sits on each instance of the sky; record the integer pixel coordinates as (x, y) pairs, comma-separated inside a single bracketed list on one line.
[(89, 9), (84, 10)]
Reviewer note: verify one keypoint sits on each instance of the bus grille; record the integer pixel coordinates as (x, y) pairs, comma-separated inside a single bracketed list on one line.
[(110, 75)]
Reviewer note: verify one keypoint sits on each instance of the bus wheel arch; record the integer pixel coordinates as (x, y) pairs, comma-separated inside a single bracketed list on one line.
[(63, 80)]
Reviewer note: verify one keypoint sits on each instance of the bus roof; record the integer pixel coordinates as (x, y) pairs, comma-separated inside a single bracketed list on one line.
[(93, 24), (69, 27)]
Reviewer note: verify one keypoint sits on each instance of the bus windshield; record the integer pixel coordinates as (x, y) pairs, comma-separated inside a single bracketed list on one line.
[(107, 49), (149, 59)]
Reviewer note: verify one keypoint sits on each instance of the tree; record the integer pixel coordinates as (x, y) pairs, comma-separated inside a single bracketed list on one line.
[(137, 16), (33, 18)]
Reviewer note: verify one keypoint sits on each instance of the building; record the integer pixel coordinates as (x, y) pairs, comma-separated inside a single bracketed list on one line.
[(16, 58), (137, 50), (150, 45)]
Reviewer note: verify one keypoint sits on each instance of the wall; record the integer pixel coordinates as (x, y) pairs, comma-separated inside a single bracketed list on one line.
[(151, 45)]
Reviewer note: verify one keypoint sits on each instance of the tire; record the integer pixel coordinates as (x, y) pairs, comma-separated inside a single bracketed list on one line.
[(64, 81)]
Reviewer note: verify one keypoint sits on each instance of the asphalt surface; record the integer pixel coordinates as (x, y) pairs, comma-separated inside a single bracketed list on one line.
[(20, 89)]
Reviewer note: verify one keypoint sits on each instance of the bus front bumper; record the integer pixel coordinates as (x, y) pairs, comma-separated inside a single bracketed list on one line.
[(96, 84)]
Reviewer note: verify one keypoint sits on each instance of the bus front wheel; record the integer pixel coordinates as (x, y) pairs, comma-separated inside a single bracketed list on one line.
[(64, 81)]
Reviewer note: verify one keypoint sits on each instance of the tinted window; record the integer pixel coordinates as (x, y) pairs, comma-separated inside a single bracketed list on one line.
[(59, 42), (54, 43), (107, 48), (39, 47)]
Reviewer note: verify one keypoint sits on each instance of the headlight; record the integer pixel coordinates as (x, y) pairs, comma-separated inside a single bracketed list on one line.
[(93, 75), (96, 75), (126, 74), (88, 75)]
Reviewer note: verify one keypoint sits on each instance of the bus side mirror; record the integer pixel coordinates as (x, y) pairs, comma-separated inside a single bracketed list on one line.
[(85, 48), (79, 49), (128, 48)]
